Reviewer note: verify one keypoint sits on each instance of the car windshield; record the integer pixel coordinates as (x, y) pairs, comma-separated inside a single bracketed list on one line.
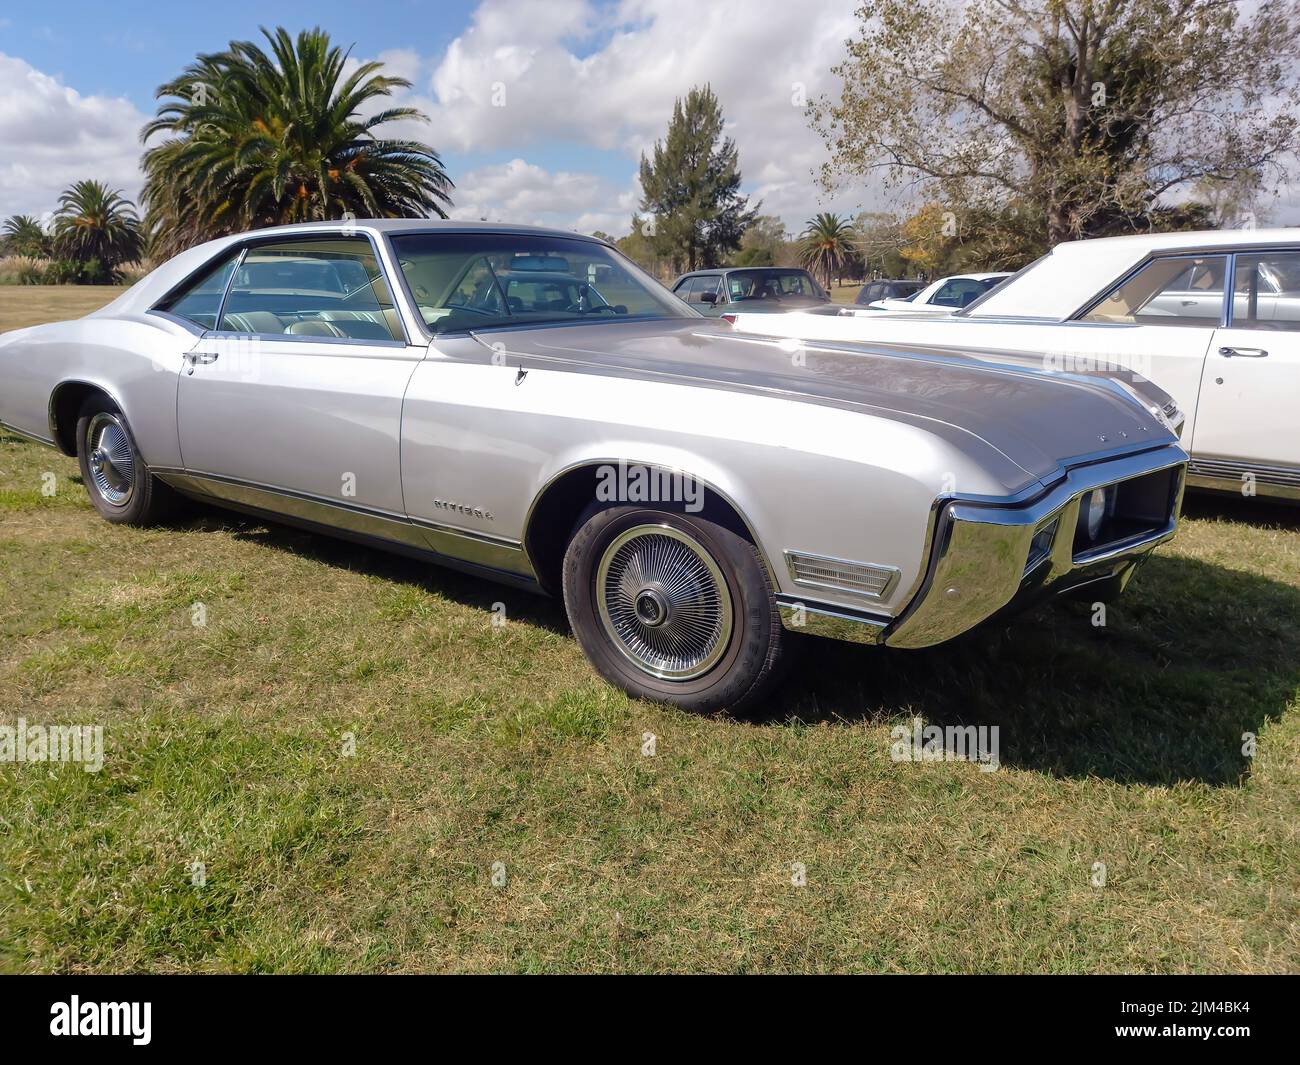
[(771, 285), (463, 281)]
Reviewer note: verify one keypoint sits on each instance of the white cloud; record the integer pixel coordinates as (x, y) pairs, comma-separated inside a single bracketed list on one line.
[(51, 136), (607, 79), (523, 192)]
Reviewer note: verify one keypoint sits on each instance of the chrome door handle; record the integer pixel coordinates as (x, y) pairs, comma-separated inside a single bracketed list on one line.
[(1244, 353), (198, 358)]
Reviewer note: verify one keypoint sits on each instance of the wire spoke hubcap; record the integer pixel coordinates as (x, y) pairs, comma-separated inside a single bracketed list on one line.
[(111, 460), (664, 602)]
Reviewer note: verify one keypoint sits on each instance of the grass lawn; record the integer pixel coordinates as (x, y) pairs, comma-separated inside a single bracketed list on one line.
[(22, 305), (844, 293), (348, 744)]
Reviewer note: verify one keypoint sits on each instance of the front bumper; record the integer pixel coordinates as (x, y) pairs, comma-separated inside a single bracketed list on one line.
[(987, 559), (984, 559)]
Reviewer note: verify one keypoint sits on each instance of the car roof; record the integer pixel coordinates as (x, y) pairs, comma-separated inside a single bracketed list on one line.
[(1075, 271), (153, 286)]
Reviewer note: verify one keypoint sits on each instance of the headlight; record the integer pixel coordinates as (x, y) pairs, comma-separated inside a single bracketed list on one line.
[(1093, 510)]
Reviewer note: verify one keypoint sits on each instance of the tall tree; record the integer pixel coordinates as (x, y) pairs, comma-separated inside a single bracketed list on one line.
[(827, 245), (23, 235), (763, 243), (263, 138), (1087, 110), (97, 227), (691, 187)]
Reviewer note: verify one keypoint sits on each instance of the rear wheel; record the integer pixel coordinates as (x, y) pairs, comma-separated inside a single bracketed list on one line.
[(118, 482), (673, 607)]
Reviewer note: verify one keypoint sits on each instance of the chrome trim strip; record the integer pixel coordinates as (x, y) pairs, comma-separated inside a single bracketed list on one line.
[(303, 338), (829, 621), (34, 437), (1226, 475), (466, 545), (49, 411), (605, 461), (472, 534)]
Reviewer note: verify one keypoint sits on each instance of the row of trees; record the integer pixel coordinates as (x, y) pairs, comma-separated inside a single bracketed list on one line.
[(94, 232), (252, 136)]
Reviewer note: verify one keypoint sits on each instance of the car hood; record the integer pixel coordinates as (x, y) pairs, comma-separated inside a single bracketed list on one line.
[(1039, 422)]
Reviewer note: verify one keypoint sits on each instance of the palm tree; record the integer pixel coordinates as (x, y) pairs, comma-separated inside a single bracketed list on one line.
[(264, 139), (21, 234), (97, 227), (827, 245)]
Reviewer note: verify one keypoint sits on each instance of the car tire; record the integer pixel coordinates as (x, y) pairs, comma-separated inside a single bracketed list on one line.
[(119, 484), (674, 608)]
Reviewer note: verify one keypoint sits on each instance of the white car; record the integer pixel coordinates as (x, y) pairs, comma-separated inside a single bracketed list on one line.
[(1152, 306), (945, 296)]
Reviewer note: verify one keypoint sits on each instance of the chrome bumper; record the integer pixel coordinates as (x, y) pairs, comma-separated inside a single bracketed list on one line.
[(981, 562)]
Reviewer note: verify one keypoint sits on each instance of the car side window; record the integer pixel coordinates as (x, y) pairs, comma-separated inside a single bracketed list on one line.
[(200, 301), (958, 293), (702, 285), (1175, 290), (1266, 294), (331, 288)]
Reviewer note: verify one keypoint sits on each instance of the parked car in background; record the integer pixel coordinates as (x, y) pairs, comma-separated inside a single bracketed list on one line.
[(468, 395), (1155, 306), (884, 289), (945, 296), (754, 290)]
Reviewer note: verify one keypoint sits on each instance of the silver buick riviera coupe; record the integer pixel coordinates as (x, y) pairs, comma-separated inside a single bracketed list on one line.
[(527, 405)]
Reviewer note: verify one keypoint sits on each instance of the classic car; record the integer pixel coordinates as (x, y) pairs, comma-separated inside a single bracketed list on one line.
[(753, 289), (945, 296), (887, 289), (693, 494), (1151, 306)]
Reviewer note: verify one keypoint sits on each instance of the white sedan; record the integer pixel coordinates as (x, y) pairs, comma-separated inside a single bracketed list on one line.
[(1153, 306), (945, 296)]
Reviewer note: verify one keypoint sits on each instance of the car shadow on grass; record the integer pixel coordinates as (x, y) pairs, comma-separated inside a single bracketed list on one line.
[(330, 550), (1193, 660), (1189, 665)]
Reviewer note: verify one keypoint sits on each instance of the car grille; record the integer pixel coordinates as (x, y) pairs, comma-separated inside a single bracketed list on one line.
[(838, 574)]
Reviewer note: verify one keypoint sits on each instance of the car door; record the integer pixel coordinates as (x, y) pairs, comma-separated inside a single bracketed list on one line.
[(294, 402), (1246, 423)]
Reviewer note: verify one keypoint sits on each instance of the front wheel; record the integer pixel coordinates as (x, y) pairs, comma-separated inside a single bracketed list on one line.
[(673, 607)]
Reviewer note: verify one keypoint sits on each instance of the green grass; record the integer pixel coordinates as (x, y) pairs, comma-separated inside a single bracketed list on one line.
[(24, 305), (227, 744)]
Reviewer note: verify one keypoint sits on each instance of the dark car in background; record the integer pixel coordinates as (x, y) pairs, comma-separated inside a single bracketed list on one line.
[(888, 290), (751, 289)]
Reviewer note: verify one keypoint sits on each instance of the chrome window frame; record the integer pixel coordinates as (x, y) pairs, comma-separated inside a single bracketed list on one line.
[(412, 306), (1229, 318), (1149, 260), (180, 287), (242, 248)]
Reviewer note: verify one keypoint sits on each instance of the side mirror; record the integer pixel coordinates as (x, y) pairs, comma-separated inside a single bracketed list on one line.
[(708, 297)]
